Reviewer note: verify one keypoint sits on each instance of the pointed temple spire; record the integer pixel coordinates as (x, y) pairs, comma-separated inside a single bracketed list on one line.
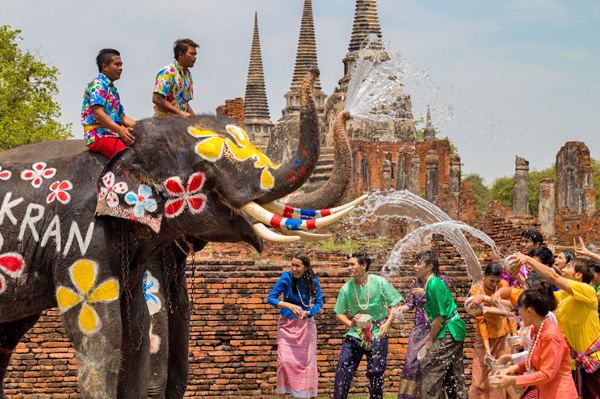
[(429, 133), (256, 108), (306, 57), (366, 22)]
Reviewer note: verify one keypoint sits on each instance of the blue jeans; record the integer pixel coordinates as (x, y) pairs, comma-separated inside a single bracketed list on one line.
[(350, 357)]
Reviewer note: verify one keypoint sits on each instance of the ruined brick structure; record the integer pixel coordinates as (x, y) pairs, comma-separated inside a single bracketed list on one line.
[(233, 109)]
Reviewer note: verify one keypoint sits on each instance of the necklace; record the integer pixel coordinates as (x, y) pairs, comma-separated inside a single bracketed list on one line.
[(309, 298), (561, 304), (532, 347), (368, 294)]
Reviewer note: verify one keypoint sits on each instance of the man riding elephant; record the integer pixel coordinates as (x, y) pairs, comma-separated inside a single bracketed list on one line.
[(82, 243)]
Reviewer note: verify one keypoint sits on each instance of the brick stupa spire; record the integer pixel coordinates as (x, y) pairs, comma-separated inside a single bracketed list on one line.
[(306, 57), (366, 23), (256, 108)]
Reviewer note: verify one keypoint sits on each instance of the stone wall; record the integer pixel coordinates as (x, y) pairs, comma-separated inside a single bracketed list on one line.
[(233, 350)]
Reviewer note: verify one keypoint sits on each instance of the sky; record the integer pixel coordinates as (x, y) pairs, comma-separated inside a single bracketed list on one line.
[(521, 76)]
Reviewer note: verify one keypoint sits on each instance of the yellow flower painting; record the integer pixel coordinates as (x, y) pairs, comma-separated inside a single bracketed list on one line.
[(83, 275)]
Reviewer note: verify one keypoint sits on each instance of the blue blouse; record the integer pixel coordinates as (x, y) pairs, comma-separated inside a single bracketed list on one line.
[(285, 285)]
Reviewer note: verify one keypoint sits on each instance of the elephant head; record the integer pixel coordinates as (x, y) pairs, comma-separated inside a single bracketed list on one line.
[(203, 176)]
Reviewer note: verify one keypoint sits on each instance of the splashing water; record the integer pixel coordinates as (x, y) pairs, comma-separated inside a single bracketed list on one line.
[(406, 205), (380, 76)]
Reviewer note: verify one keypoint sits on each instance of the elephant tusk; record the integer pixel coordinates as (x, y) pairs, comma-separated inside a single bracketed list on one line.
[(307, 237), (300, 214), (262, 215), (263, 232)]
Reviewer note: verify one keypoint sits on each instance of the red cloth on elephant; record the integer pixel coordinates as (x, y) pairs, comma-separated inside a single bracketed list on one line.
[(107, 146)]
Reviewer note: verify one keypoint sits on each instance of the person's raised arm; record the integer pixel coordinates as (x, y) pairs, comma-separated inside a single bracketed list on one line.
[(518, 260), (501, 293), (586, 252), (342, 318)]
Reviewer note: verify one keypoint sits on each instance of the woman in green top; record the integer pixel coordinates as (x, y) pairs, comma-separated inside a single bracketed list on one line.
[(443, 362)]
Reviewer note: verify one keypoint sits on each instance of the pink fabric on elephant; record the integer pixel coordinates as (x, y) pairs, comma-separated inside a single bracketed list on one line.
[(297, 372)]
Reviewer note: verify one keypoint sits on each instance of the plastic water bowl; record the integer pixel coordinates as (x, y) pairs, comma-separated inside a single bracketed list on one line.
[(364, 321), (514, 341), (421, 353)]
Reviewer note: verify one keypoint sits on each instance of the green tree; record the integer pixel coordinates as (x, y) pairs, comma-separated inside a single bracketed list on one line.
[(502, 190), (480, 190), (28, 112)]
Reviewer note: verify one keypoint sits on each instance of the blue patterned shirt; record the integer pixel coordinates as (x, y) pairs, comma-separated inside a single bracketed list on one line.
[(103, 92)]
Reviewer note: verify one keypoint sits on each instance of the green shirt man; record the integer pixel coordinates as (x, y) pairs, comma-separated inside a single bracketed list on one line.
[(439, 302)]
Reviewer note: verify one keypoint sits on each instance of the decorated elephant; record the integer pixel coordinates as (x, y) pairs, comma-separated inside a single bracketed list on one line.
[(82, 243)]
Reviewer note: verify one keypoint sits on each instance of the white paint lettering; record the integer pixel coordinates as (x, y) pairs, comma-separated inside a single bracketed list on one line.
[(30, 221), (5, 210), (74, 232), (53, 231)]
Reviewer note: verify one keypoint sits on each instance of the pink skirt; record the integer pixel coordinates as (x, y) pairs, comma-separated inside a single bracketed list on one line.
[(297, 372)]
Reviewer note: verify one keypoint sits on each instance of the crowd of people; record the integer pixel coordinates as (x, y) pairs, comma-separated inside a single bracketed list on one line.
[(536, 323)]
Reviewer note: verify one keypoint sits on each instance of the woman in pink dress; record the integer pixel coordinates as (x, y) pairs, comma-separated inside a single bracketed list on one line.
[(548, 357)]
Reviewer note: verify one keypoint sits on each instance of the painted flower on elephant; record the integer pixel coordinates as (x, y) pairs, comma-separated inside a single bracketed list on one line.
[(212, 147), (110, 190), (141, 201), (5, 174), (11, 264), (151, 287), (38, 174), (59, 191), (83, 275), (183, 195)]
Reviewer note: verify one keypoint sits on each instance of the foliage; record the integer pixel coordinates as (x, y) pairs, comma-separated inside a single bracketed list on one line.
[(28, 112), (480, 191), (421, 134), (596, 167), (502, 188)]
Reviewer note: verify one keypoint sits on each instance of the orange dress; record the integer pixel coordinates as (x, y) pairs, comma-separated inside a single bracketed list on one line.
[(551, 365)]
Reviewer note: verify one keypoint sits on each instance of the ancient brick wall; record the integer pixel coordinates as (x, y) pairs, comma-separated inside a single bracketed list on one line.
[(233, 109), (233, 351)]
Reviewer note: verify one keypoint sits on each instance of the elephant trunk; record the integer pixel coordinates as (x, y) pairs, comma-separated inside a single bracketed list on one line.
[(291, 175), (334, 190)]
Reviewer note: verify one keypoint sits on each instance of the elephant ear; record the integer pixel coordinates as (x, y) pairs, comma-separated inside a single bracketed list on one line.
[(122, 194)]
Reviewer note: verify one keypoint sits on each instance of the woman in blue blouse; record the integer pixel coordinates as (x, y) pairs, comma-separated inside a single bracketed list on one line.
[(297, 372)]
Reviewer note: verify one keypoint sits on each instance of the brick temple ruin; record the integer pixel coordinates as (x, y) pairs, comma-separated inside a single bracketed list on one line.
[(233, 351)]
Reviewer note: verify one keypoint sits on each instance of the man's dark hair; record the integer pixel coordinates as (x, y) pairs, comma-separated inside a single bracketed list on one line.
[(595, 266), (105, 56), (493, 269), (362, 259), (430, 258), (585, 267), (181, 46), (544, 254), (533, 235)]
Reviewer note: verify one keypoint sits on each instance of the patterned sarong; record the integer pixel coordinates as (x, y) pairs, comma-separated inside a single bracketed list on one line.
[(584, 360), (297, 372)]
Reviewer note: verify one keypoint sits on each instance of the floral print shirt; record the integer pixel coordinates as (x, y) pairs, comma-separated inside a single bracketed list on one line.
[(101, 91), (176, 85)]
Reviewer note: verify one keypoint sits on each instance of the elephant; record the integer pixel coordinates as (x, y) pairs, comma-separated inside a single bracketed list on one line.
[(77, 232), (169, 329)]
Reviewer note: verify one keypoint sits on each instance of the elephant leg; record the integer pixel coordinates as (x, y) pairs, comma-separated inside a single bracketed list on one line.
[(179, 337), (10, 335), (135, 348)]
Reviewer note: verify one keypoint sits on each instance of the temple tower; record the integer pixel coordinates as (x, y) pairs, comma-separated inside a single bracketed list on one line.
[(366, 23), (256, 108), (521, 188), (285, 133), (429, 133)]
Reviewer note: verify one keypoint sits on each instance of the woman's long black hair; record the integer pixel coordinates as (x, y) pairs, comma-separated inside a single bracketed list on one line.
[(308, 273)]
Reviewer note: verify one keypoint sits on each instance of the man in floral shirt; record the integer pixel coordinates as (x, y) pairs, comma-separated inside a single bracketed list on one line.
[(174, 88), (107, 128)]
